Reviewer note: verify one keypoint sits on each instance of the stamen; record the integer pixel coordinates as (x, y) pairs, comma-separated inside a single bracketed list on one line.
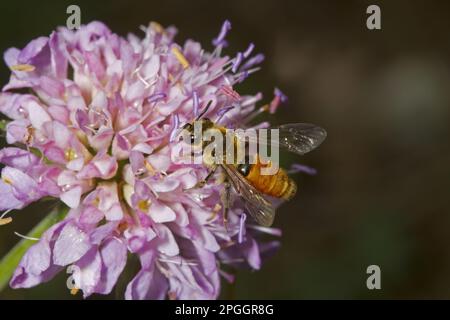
[(227, 276), (23, 67), (4, 221), (228, 244), (140, 66), (257, 112), (26, 237), (269, 247), (280, 94), (180, 57), (249, 50), (237, 62), (163, 270), (222, 112), (257, 59), (5, 213), (145, 82), (215, 210), (181, 262), (175, 124), (7, 181), (229, 91), (96, 201), (156, 96), (242, 228), (279, 98), (143, 28), (241, 76), (274, 104), (133, 126), (144, 205), (252, 100), (296, 168), (220, 40), (226, 67), (271, 231), (230, 261), (70, 154), (215, 54), (74, 291), (157, 27), (195, 102), (149, 167)]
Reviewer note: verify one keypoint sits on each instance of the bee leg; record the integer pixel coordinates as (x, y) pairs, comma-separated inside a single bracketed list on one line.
[(201, 183), (226, 203)]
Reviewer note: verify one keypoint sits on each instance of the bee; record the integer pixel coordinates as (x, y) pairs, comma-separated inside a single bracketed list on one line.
[(246, 178)]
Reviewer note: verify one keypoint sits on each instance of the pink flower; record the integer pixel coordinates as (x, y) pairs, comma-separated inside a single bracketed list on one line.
[(97, 133)]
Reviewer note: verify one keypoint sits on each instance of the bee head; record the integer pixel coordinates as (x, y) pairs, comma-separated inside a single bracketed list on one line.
[(189, 127), (204, 124)]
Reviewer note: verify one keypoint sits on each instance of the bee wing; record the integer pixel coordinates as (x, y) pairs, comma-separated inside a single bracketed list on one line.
[(299, 138), (257, 205)]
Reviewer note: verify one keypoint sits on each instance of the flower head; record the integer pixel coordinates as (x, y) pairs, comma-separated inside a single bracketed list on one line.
[(96, 131)]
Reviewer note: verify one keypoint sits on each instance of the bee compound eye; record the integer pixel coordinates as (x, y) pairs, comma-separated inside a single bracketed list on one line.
[(244, 169)]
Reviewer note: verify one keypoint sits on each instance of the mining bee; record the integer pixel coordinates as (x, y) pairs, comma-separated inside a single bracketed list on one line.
[(246, 177)]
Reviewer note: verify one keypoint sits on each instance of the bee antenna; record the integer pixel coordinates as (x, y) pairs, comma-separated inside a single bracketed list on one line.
[(204, 111)]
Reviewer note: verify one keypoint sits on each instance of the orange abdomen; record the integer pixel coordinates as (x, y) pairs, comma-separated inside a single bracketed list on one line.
[(278, 185)]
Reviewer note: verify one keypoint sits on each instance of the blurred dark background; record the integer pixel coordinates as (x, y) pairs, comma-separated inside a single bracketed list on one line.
[(381, 195)]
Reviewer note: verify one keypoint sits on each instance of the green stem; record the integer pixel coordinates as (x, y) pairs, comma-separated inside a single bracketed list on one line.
[(9, 262), (3, 124)]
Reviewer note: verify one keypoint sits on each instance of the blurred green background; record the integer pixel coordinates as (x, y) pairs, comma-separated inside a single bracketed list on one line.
[(382, 192)]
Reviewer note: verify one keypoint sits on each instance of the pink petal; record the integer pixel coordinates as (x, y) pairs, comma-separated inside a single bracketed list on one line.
[(72, 197), (166, 241), (70, 246), (161, 213), (36, 113), (147, 285), (114, 258), (87, 275)]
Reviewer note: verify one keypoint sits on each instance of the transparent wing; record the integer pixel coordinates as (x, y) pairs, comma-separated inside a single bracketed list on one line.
[(299, 138), (257, 205)]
